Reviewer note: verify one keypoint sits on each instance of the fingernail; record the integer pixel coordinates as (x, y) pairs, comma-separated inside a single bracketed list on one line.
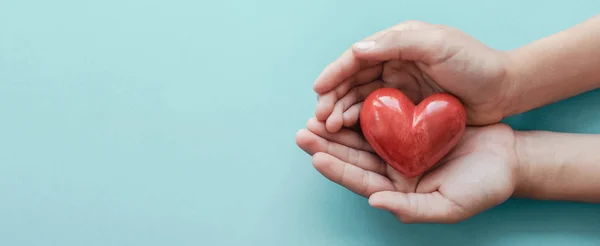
[(363, 45)]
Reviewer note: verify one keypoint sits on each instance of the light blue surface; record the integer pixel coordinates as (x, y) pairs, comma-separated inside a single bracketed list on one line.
[(136, 122)]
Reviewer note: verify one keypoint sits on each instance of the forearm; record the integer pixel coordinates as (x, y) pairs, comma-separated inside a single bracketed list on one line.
[(558, 166), (556, 67)]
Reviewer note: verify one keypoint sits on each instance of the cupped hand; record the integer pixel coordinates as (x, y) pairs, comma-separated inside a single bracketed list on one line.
[(419, 59), (479, 173)]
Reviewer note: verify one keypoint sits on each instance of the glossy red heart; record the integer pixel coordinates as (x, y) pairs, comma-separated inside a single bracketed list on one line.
[(412, 139)]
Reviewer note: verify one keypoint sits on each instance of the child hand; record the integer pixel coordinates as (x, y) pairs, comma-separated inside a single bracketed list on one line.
[(419, 59), (479, 173)]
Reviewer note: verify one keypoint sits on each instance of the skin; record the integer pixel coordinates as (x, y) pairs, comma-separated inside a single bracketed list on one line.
[(419, 59), (478, 174), (492, 162), (558, 166)]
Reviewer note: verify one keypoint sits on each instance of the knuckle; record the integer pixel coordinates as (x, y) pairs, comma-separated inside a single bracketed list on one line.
[(356, 94), (413, 204), (350, 156), (350, 94), (356, 156), (341, 90), (411, 25), (394, 33), (440, 35), (439, 42), (392, 37), (342, 177), (366, 184), (340, 106)]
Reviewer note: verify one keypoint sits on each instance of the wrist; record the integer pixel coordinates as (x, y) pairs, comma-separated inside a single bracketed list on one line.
[(514, 82), (557, 166), (522, 187)]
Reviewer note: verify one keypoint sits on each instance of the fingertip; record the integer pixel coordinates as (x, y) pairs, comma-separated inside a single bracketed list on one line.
[(321, 161), (318, 88), (317, 85), (347, 123), (325, 106), (333, 124), (308, 141), (302, 137), (375, 201), (368, 51), (319, 157), (298, 133), (392, 201), (335, 121), (379, 199), (336, 72), (312, 124), (363, 46), (320, 85), (321, 113), (310, 121)]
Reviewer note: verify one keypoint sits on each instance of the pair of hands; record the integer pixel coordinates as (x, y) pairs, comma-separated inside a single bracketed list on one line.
[(419, 59)]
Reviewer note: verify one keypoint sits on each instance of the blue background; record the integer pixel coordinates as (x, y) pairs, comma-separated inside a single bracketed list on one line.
[(131, 122)]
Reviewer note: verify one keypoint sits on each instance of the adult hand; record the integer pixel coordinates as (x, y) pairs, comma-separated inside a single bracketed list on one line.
[(479, 173), (419, 59)]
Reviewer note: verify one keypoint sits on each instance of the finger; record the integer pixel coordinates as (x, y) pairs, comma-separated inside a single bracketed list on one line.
[(312, 144), (325, 105), (334, 121), (348, 64), (352, 114), (357, 94), (343, 68), (352, 177), (340, 70), (343, 137), (425, 46), (327, 101), (342, 82), (401, 74), (418, 207)]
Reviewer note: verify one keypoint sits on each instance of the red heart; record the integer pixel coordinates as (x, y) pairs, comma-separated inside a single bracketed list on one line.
[(412, 139)]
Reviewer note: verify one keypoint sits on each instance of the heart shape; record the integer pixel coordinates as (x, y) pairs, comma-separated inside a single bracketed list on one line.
[(412, 139)]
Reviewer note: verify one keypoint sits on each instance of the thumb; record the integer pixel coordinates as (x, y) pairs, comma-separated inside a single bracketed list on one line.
[(423, 45), (418, 207)]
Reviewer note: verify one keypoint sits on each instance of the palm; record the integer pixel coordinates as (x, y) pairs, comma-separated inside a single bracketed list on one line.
[(418, 80), (476, 175)]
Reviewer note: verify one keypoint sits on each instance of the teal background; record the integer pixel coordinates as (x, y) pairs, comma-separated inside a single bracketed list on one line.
[(152, 122)]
